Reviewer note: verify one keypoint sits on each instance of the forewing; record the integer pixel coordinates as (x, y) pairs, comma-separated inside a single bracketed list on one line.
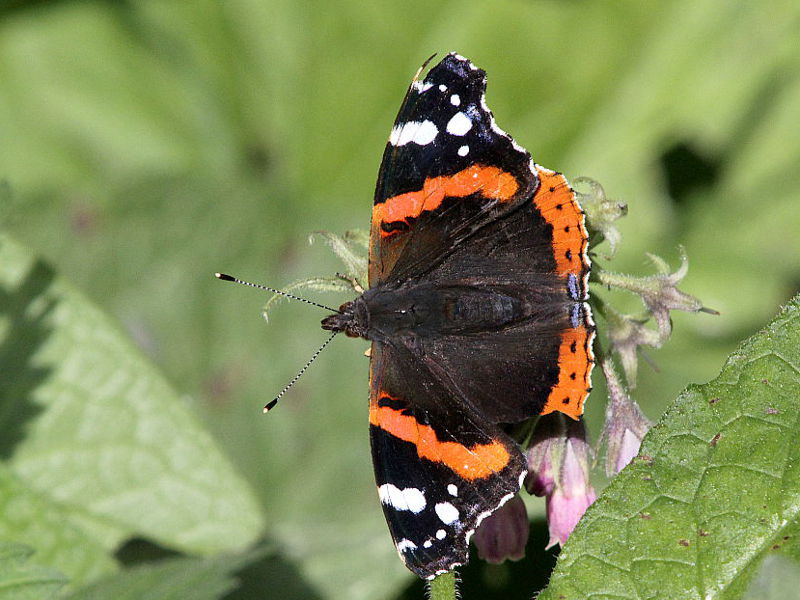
[(447, 170)]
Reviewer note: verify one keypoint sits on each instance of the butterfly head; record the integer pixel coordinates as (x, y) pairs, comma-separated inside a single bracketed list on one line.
[(352, 319)]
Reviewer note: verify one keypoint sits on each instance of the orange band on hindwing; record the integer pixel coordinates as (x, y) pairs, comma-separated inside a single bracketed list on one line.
[(556, 201), (575, 362), (491, 182), (469, 462)]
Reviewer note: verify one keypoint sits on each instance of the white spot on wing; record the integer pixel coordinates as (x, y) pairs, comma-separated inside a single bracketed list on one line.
[(463, 151), (446, 512), (442, 87), (455, 100), (459, 124), (417, 132), (406, 499), (404, 545), (427, 543), (452, 489), (425, 87), (440, 535)]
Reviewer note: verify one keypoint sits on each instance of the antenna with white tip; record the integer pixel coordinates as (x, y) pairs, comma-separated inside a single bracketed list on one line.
[(271, 404), (225, 277)]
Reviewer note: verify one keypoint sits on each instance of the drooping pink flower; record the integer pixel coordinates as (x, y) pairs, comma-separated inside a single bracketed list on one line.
[(503, 535), (558, 468), (544, 455), (572, 494)]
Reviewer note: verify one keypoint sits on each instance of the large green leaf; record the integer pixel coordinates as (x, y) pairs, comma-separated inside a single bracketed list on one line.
[(89, 424), (714, 491), (171, 579), (23, 580)]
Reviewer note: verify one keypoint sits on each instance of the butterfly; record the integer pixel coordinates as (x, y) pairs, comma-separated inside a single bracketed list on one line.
[(476, 309)]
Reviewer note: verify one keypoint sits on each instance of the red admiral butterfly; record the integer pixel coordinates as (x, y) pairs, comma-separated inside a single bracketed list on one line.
[(476, 310)]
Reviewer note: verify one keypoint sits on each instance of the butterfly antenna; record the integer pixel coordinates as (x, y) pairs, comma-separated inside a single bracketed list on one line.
[(271, 404), (225, 277)]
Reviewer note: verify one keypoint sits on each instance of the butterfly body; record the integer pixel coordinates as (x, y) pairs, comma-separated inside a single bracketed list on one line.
[(392, 314)]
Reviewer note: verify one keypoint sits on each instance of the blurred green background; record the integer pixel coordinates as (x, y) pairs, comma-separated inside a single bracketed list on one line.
[(147, 144)]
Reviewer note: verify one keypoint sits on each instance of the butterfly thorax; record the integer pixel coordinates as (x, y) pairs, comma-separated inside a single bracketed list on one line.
[(386, 312)]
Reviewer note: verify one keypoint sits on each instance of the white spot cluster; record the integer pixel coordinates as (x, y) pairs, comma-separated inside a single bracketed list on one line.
[(406, 499), (452, 489), (463, 150), (455, 100), (416, 132)]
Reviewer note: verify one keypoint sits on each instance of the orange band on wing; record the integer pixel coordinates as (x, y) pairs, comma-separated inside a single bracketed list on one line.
[(556, 201), (575, 361), (475, 462), (491, 182)]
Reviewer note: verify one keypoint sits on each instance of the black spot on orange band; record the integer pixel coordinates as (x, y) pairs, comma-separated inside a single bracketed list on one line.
[(575, 366)]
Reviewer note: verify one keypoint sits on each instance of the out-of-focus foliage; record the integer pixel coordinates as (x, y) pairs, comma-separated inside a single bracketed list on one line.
[(21, 580), (148, 143)]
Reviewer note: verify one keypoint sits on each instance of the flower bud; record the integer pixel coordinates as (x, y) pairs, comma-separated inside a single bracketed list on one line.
[(625, 424)]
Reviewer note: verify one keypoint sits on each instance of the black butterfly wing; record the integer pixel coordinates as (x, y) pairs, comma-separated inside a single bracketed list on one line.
[(439, 466), (447, 170)]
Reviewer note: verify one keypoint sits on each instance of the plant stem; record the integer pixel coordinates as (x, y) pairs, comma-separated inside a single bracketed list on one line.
[(443, 587)]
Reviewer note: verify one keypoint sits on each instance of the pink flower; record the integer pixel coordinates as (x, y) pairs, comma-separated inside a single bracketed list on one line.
[(572, 496), (558, 465), (544, 455), (503, 534)]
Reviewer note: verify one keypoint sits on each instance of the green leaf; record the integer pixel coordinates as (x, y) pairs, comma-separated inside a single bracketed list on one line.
[(34, 519), (714, 491), (22, 580), (89, 424), (172, 579)]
